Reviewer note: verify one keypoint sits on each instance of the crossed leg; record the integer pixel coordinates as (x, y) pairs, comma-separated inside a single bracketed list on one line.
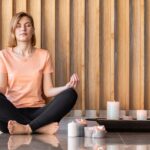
[(47, 117)]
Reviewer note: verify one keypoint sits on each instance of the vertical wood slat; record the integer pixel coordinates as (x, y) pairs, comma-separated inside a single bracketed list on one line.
[(62, 42), (93, 55), (147, 54), (7, 6), (34, 8), (48, 29), (108, 52), (78, 49), (21, 5), (123, 53), (137, 56)]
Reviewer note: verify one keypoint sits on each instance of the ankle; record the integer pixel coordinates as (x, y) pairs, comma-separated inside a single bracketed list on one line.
[(28, 129)]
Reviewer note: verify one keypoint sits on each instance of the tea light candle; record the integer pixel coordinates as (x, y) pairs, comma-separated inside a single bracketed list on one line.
[(73, 129), (141, 115), (99, 132), (88, 131), (113, 110), (125, 117)]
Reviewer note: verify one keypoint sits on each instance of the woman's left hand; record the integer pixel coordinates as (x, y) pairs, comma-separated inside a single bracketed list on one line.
[(74, 80)]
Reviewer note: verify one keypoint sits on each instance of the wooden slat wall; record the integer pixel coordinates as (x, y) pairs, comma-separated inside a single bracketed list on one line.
[(107, 50), (77, 47), (147, 54), (93, 57), (105, 41), (122, 53), (48, 28), (137, 54), (62, 59)]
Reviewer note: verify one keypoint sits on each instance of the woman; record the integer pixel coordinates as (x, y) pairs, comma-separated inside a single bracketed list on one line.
[(25, 71)]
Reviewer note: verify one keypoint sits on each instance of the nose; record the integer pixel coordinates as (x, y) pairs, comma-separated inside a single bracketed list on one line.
[(23, 28)]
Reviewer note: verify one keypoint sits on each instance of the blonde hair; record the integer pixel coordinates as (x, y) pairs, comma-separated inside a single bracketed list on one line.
[(12, 39)]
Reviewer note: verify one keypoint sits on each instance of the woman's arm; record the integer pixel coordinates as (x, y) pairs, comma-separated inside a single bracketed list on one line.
[(51, 91), (3, 82)]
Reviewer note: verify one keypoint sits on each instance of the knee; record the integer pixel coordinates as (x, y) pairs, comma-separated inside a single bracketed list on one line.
[(72, 94)]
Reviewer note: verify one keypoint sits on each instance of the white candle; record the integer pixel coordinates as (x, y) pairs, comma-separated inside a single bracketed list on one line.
[(113, 110), (73, 129), (73, 143), (141, 115)]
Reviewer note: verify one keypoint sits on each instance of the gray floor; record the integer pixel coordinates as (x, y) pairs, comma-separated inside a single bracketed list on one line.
[(112, 141)]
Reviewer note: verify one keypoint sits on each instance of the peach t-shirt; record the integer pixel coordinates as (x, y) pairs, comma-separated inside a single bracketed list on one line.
[(25, 76)]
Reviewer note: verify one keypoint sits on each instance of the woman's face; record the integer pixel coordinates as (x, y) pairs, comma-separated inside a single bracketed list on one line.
[(24, 30)]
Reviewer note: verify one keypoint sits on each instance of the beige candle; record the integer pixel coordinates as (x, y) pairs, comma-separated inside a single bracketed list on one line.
[(113, 110), (141, 115)]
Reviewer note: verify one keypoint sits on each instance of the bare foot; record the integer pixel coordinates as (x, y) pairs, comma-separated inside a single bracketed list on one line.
[(16, 141), (17, 128), (51, 128), (49, 139)]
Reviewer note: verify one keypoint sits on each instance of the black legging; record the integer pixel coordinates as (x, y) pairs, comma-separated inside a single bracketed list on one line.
[(37, 117)]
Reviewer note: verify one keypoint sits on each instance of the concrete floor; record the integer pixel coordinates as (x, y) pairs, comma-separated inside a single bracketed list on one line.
[(60, 141)]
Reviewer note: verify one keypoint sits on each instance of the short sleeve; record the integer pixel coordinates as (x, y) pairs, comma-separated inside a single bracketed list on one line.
[(2, 66), (48, 67)]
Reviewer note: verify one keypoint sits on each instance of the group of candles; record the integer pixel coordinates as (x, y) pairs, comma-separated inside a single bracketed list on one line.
[(113, 112), (79, 128)]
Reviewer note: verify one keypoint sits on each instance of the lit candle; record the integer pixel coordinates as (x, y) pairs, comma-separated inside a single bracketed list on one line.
[(141, 115), (113, 110)]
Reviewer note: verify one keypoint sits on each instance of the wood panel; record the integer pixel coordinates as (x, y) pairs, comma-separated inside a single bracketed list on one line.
[(34, 8), (7, 6), (78, 48), (62, 42), (107, 41), (122, 53), (48, 29), (20, 5), (137, 55), (147, 54), (93, 54)]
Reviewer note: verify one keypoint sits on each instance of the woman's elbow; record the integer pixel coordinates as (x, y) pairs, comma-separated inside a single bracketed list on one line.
[(48, 93)]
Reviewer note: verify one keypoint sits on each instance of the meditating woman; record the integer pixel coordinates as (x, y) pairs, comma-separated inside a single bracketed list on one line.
[(25, 72)]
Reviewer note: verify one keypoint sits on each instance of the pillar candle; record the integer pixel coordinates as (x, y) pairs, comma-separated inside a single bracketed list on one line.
[(73, 129), (113, 110), (141, 115)]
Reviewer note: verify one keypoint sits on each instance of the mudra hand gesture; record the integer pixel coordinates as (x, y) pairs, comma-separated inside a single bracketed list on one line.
[(74, 80)]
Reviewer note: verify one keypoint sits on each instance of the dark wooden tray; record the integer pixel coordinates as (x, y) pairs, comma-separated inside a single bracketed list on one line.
[(124, 125)]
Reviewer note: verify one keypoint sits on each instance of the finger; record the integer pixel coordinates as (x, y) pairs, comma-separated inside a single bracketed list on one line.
[(76, 76), (71, 83), (75, 85), (76, 80)]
